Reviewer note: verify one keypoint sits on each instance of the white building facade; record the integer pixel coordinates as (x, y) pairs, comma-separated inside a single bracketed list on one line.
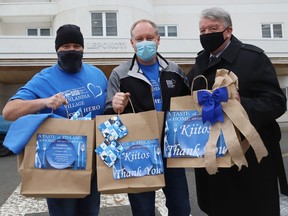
[(27, 32)]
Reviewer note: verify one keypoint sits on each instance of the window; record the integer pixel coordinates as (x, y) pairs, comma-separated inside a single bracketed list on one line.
[(167, 30), (44, 32), (104, 24), (272, 30), (161, 30), (38, 32), (32, 32)]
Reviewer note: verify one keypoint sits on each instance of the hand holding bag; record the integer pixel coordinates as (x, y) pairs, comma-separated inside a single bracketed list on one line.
[(232, 121), (59, 182), (142, 127)]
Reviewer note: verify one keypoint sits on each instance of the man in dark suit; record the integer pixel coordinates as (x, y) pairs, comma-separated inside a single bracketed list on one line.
[(254, 189)]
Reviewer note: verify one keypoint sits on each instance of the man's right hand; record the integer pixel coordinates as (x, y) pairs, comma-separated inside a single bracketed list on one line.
[(120, 101), (55, 101)]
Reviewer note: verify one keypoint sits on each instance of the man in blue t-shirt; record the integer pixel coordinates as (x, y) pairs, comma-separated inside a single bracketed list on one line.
[(64, 88)]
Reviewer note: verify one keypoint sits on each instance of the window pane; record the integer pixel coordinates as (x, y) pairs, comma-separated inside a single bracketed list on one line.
[(32, 32), (97, 31), (277, 30), (172, 31), (161, 30), (111, 24), (45, 32), (96, 23), (110, 31), (266, 32)]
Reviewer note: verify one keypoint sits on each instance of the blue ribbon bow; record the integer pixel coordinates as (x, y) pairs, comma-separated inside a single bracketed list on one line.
[(211, 104)]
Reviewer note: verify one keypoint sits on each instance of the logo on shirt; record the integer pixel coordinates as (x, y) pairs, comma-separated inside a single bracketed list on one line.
[(96, 91), (170, 83)]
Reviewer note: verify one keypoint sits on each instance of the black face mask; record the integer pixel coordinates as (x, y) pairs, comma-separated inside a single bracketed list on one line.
[(70, 61), (212, 41)]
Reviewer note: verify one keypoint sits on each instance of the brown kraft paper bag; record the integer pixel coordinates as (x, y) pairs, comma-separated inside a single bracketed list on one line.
[(236, 122), (58, 183), (141, 126)]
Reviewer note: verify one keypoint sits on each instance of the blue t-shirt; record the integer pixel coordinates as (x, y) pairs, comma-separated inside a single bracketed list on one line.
[(85, 89), (151, 72)]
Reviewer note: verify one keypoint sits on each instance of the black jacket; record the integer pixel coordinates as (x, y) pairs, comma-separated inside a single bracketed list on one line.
[(253, 190), (128, 77)]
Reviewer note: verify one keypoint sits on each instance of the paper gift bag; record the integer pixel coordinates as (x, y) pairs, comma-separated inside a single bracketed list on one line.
[(228, 123), (184, 103), (141, 127), (71, 167)]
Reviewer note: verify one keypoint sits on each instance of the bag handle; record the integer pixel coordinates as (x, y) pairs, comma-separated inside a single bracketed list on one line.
[(67, 112), (198, 107), (130, 104), (130, 101), (199, 76), (66, 108)]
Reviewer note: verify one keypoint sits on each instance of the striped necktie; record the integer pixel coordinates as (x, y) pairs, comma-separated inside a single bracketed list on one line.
[(212, 58)]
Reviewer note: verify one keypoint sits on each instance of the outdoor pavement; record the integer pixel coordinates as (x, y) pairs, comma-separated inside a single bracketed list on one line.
[(116, 205)]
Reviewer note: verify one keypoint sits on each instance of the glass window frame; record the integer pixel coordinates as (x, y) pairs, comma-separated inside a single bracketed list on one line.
[(39, 31), (105, 24), (167, 33), (269, 30)]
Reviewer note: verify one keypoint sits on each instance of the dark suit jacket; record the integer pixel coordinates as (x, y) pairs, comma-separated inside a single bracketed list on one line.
[(253, 190)]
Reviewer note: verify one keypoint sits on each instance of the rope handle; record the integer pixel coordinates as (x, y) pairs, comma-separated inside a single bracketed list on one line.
[(66, 109), (129, 99), (198, 107), (199, 76)]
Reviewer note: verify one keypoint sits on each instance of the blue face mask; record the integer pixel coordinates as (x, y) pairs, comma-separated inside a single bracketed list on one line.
[(146, 50)]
